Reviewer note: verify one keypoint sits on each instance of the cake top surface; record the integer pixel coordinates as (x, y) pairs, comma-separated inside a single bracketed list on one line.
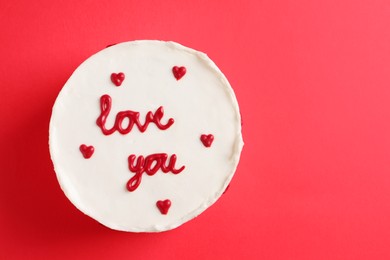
[(145, 135)]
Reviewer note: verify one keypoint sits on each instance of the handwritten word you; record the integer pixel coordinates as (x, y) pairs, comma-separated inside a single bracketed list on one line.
[(150, 165)]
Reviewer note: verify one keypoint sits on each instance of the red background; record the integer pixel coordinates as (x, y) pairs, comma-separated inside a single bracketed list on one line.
[(313, 82)]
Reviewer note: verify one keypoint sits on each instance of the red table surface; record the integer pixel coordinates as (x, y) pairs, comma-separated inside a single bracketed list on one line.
[(313, 82)]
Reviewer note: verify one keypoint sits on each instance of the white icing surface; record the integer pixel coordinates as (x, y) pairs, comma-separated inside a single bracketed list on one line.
[(201, 102)]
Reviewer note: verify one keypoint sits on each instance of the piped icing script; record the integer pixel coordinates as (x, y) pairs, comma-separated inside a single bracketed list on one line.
[(149, 164), (132, 116)]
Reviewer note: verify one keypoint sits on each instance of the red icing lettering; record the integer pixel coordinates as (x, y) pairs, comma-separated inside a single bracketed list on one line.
[(132, 116), (150, 165)]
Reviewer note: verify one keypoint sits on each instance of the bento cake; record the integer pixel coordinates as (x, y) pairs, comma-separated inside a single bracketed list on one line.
[(145, 135)]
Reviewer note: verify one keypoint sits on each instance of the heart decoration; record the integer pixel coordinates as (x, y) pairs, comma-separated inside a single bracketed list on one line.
[(163, 206), (207, 140), (179, 72), (87, 151), (117, 78)]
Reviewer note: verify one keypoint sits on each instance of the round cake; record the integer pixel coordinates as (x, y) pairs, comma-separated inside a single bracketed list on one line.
[(145, 135)]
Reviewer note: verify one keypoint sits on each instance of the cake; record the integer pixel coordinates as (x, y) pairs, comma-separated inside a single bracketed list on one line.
[(145, 135)]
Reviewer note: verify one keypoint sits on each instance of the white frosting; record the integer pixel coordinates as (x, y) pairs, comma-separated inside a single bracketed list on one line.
[(201, 102)]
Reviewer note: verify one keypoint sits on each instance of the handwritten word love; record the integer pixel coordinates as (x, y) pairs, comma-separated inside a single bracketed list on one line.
[(150, 165), (132, 116)]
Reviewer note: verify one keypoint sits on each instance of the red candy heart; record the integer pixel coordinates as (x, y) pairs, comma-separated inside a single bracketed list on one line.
[(117, 78), (87, 151), (179, 72), (163, 206), (207, 140)]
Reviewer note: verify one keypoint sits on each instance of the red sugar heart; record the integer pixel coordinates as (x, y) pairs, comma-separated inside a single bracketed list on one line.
[(207, 140), (117, 78), (163, 206), (179, 72), (87, 151)]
